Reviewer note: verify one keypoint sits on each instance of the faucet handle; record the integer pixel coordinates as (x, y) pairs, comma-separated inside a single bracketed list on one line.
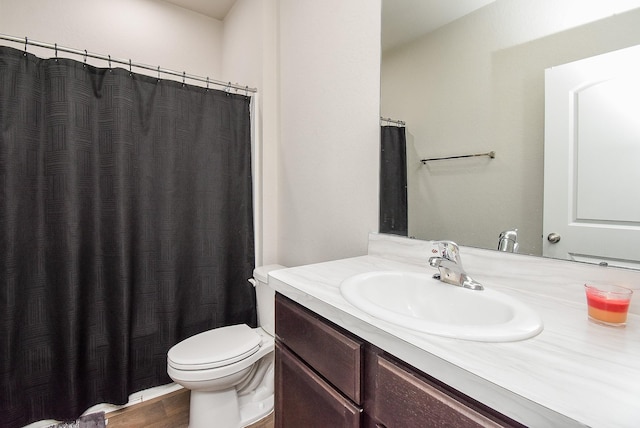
[(449, 250), (508, 241)]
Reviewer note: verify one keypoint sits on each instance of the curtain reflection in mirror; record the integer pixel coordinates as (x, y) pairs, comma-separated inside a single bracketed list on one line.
[(393, 180)]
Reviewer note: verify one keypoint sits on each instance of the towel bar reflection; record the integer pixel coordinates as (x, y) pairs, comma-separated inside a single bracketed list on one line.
[(490, 154)]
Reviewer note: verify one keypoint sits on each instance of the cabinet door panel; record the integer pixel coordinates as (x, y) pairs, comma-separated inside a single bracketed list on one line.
[(304, 399), (337, 357), (401, 399)]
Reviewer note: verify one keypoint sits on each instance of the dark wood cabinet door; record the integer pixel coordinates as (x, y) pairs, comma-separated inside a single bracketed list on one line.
[(403, 399), (333, 353), (304, 399)]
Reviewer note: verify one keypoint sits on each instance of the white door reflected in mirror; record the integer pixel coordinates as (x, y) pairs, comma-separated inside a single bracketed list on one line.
[(592, 158)]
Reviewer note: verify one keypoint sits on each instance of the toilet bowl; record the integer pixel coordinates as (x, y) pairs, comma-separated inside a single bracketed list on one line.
[(229, 370)]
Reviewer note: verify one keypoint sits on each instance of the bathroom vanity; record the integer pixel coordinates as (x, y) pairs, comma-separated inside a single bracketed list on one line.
[(364, 386), (339, 366)]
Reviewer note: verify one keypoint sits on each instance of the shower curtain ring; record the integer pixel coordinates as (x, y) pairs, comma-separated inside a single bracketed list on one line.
[(85, 57), (26, 42), (109, 62), (158, 73), (246, 91), (55, 47), (207, 83), (130, 71), (184, 73)]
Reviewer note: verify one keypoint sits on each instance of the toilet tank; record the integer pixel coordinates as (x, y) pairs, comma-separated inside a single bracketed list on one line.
[(265, 297)]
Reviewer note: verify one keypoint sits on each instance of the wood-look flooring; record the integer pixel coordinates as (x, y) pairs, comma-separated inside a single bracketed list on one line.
[(168, 411)]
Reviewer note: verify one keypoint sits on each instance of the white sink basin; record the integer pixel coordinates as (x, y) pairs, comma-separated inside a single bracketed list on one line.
[(418, 302)]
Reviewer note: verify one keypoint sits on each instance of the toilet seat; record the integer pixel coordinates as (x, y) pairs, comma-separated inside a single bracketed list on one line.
[(214, 348)]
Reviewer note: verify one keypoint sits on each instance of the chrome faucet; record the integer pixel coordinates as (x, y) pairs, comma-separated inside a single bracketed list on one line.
[(508, 241), (449, 264)]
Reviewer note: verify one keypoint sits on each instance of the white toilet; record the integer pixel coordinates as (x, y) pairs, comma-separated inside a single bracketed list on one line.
[(229, 370)]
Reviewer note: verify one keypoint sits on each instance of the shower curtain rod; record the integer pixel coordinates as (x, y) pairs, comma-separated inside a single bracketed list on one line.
[(397, 122), (85, 55)]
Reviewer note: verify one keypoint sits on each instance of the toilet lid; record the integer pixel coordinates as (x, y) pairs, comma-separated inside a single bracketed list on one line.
[(214, 348)]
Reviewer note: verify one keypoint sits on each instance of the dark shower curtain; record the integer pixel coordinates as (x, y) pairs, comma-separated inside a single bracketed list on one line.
[(126, 225), (393, 181)]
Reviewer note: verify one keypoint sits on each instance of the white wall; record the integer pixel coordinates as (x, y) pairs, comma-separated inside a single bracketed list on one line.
[(329, 136), (242, 44), (150, 32), (477, 85)]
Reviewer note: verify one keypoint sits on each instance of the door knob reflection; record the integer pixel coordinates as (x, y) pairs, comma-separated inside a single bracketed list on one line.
[(554, 238)]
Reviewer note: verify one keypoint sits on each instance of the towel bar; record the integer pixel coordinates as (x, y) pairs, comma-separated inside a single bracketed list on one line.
[(490, 154)]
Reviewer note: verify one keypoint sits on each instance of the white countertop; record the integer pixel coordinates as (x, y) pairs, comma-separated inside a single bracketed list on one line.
[(574, 373)]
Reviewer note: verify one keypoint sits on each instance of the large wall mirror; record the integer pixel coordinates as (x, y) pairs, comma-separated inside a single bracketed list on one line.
[(475, 83)]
